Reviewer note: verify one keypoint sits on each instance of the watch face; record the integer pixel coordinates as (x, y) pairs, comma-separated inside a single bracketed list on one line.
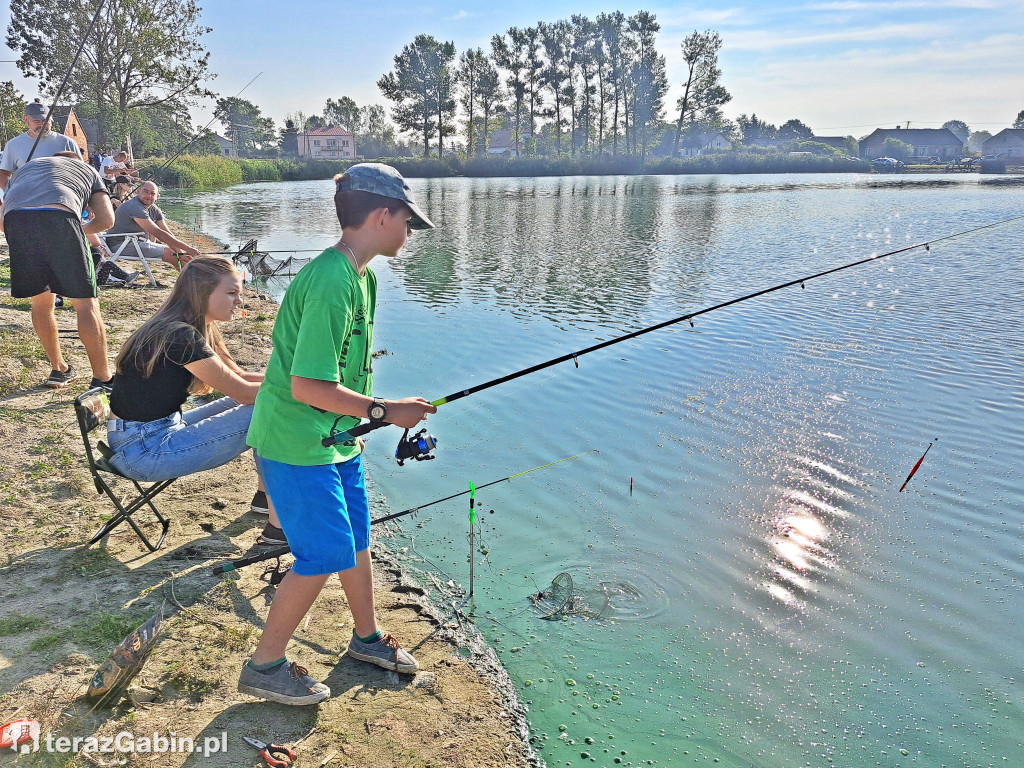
[(378, 411)]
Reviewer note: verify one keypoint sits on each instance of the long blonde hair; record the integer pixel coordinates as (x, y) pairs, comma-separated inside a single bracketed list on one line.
[(187, 305)]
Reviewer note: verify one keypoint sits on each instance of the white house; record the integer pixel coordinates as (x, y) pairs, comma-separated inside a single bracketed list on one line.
[(700, 143)]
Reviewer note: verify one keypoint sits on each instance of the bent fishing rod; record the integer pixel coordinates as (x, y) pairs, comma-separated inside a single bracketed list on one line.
[(67, 76), (166, 164), (424, 443), (277, 552)]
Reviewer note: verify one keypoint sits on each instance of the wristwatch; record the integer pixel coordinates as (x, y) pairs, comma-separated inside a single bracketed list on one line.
[(377, 411)]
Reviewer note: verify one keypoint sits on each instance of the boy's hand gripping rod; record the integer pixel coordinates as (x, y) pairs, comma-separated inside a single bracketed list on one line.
[(362, 429)]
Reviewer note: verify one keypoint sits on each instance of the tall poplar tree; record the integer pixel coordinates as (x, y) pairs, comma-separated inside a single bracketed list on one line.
[(613, 35), (468, 75), (649, 80), (703, 89), (510, 53), (556, 76)]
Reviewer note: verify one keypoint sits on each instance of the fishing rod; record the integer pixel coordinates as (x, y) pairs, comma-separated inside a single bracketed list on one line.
[(364, 428), (234, 565), (64, 82), (190, 142)]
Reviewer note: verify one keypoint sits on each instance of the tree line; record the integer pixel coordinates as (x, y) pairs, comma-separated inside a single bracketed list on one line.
[(573, 86), (576, 87)]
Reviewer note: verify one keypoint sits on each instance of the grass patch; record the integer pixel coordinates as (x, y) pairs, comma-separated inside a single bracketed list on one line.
[(237, 639), (89, 561), (25, 305), (17, 624), (106, 629), (194, 684), (20, 352), (46, 642)]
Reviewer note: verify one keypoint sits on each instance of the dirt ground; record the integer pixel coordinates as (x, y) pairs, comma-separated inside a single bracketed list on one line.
[(64, 605)]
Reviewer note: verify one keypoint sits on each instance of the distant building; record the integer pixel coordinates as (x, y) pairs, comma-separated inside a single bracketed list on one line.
[(330, 143), (71, 127), (701, 143), (1007, 145), (927, 142), (227, 146), (502, 142)]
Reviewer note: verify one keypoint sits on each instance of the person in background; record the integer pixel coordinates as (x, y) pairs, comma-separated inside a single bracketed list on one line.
[(141, 215), (42, 219), (17, 150)]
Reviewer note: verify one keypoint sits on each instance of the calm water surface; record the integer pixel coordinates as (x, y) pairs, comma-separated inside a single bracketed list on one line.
[(766, 596)]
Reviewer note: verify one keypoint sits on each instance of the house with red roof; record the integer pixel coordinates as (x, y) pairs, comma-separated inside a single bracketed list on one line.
[(330, 143)]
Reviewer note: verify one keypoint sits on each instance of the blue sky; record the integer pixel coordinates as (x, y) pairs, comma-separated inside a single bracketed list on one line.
[(842, 67)]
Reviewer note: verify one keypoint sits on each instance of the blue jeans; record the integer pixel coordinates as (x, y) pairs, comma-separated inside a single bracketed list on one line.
[(182, 443)]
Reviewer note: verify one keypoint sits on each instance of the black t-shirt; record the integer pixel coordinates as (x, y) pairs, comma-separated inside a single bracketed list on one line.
[(137, 398)]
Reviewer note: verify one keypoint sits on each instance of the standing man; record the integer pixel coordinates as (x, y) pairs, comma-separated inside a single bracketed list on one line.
[(141, 215), (17, 149), (42, 218)]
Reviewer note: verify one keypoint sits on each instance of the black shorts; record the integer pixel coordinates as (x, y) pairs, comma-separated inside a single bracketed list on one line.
[(49, 252)]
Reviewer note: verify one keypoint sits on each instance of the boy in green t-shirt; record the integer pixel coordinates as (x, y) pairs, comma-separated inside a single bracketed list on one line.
[(320, 381)]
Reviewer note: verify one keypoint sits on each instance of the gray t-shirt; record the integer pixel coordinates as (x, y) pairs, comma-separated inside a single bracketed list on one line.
[(125, 216), (17, 149), (46, 182)]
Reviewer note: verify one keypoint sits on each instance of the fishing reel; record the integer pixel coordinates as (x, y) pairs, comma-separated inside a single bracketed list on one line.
[(419, 447)]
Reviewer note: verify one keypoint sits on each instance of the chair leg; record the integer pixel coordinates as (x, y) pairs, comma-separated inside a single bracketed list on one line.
[(149, 272), (124, 514)]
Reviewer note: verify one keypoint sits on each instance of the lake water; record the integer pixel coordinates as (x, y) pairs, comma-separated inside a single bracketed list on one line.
[(765, 595)]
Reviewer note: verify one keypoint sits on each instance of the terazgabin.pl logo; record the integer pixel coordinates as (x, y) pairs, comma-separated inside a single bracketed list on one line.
[(20, 735)]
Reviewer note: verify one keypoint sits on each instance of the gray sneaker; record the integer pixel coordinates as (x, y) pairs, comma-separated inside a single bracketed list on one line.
[(384, 652), (288, 684)]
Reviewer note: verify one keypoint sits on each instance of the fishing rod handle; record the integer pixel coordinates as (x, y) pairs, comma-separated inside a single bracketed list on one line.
[(356, 431)]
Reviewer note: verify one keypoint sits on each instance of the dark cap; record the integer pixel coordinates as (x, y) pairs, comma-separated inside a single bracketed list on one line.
[(35, 110), (123, 180), (385, 181)]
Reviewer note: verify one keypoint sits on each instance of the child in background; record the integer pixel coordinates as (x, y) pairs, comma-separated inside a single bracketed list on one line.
[(320, 381)]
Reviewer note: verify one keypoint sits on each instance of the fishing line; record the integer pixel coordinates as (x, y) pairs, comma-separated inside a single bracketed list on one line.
[(191, 141), (366, 427), (67, 76), (412, 510), (284, 550)]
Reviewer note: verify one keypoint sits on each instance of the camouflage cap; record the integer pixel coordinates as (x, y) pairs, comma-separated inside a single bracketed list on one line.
[(385, 181)]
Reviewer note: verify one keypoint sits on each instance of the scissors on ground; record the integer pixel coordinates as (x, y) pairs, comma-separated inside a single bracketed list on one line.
[(267, 752)]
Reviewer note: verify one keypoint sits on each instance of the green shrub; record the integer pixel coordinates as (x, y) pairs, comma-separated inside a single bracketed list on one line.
[(216, 171)]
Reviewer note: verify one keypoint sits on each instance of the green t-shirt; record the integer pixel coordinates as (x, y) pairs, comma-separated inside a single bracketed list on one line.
[(324, 330)]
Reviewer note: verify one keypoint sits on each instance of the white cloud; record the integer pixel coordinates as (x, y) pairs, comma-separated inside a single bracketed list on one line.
[(767, 40), (968, 80)]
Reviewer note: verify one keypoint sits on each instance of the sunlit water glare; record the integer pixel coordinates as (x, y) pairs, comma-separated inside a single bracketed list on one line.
[(785, 604)]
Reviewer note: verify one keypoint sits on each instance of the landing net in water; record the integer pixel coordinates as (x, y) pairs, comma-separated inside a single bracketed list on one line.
[(261, 264), (562, 599)]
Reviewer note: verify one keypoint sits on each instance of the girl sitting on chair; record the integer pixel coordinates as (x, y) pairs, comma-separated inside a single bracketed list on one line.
[(176, 353)]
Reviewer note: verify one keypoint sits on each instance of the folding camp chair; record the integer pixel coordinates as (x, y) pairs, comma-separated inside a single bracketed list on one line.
[(128, 249), (93, 410)]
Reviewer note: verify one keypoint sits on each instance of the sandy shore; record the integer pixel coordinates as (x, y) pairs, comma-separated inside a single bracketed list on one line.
[(65, 606)]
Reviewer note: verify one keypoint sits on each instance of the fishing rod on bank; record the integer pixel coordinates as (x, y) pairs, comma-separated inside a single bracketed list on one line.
[(421, 445), (278, 552), (190, 142), (67, 76)]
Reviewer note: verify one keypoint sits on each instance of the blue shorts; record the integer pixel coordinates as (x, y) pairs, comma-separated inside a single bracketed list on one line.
[(324, 512)]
